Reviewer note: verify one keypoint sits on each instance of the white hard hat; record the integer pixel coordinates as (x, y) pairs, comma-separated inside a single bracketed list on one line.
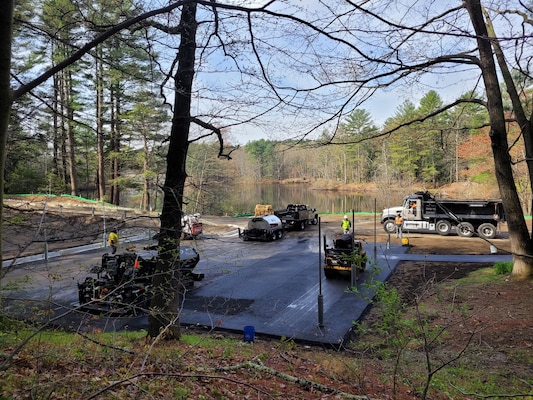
[(345, 217)]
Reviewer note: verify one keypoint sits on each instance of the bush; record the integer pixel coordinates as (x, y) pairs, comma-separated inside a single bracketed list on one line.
[(503, 267)]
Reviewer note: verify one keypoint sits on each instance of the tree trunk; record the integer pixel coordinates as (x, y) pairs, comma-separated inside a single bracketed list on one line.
[(146, 206), (168, 285), (55, 128), (6, 33), (521, 244), (70, 135), (519, 112), (99, 127), (112, 146), (63, 128)]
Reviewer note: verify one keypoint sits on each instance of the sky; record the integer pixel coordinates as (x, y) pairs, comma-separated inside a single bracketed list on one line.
[(223, 105), (381, 106)]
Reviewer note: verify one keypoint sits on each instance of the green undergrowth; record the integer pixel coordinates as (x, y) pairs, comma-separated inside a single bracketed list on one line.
[(435, 342)]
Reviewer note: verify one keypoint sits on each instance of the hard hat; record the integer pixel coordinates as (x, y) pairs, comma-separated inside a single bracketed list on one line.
[(345, 217)]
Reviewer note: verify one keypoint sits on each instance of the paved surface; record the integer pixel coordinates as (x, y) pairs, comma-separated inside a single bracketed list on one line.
[(276, 287), (288, 306)]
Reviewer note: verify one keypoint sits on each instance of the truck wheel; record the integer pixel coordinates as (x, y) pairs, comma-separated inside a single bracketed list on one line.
[(389, 226), (465, 229), (314, 221), (487, 231), (274, 236), (443, 227), (302, 225), (280, 234), (329, 273)]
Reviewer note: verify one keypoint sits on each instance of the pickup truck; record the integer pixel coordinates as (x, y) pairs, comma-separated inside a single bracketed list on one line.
[(297, 216)]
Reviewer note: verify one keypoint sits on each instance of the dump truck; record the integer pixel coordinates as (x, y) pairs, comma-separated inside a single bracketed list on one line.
[(422, 212), (346, 253), (122, 283), (297, 216), (265, 228)]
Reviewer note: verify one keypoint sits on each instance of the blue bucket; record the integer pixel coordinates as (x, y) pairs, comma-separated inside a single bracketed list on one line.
[(249, 334)]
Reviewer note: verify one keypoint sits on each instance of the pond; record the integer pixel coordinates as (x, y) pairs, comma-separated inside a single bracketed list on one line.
[(242, 199)]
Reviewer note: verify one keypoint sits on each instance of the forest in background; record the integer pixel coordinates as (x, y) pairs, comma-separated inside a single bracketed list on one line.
[(99, 128), (426, 155)]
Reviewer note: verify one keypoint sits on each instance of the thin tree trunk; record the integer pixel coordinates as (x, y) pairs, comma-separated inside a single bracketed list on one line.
[(116, 148), (55, 128), (146, 180), (6, 98), (99, 128), (63, 128), (112, 146), (70, 135)]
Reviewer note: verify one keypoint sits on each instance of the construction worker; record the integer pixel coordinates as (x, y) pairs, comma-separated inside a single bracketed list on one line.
[(399, 224), (412, 207), (346, 224), (113, 240)]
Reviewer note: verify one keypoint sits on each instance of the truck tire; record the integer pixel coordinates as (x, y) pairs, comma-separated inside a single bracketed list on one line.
[(302, 225), (273, 235), (280, 234), (487, 230), (389, 226), (465, 229), (443, 227), (329, 273), (314, 221)]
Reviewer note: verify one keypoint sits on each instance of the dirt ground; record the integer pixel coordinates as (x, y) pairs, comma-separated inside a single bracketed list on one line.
[(495, 317)]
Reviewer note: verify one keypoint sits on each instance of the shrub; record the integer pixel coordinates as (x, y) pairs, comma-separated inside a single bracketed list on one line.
[(503, 267)]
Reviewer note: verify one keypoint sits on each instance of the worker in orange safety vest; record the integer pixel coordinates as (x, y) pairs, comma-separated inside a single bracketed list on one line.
[(399, 224)]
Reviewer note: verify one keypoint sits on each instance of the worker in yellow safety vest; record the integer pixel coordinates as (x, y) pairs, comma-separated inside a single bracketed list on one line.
[(113, 240), (346, 224)]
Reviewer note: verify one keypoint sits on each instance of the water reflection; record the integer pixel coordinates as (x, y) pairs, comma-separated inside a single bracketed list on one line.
[(243, 198)]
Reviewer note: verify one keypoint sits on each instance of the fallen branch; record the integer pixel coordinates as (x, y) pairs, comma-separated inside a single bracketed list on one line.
[(299, 381)]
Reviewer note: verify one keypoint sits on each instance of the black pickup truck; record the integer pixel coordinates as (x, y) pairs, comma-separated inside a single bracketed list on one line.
[(297, 216)]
